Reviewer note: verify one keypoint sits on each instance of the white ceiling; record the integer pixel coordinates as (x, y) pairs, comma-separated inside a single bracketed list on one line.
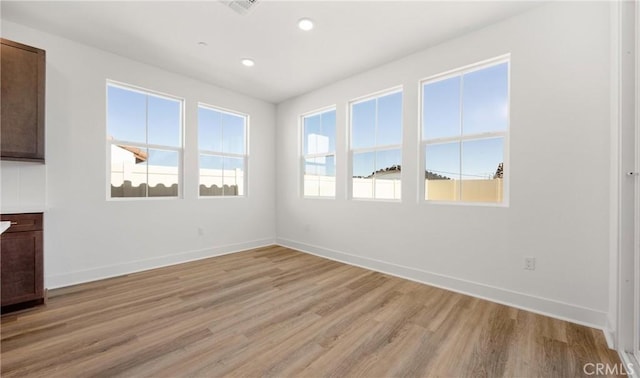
[(349, 37)]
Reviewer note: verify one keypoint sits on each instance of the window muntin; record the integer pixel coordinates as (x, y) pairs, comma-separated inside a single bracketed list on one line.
[(222, 144), (144, 135), (465, 121), (319, 154), (376, 146)]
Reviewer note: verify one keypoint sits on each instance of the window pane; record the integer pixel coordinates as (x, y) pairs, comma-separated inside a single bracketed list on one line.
[(213, 163), (327, 175), (485, 100), (233, 176), (163, 173), (311, 179), (126, 115), (164, 120), (388, 161), (326, 165), (320, 166), (310, 167), (311, 186), (389, 119), (363, 171), (319, 138), (442, 175), (363, 164), (441, 109), (223, 133), (319, 176), (233, 128), (482, 163), (211, 175), (209, 129), (312, 129), (320, 133), (128, 171), (363, 122), (329, 129), (388, 176)]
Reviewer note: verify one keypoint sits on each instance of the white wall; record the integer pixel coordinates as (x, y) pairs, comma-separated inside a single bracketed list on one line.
[(88, 237), (559, 132)]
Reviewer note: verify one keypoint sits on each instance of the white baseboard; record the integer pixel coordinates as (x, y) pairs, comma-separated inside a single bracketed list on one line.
[(77, 277), (610, 333), (544, 306), (630, 363)]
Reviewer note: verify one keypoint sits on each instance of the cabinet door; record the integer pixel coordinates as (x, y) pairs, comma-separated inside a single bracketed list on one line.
[(21, 267), (22, 78)]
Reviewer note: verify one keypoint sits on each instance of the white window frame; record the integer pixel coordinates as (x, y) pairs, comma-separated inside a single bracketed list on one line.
[(244, 156), (376, 148), (111, 142), (303, 157), (466, 137)]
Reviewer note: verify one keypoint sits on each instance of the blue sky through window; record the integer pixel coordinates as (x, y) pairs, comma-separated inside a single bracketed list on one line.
[(211, 162), (376, 123), (472, 103), (209, 130), (321, 166), (389, 129), (163, 121), (223, 133), (485, 100), (319, 139), (441, 109), (363, 124), (312, 128), (136, 117), (480, 157), (163, 158), (444, 159), (127, 115), (320, 133), (329, 128), (364, 164), (233, 128)]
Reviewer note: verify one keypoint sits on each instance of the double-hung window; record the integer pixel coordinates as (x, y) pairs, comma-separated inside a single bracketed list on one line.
[(144, 138), (319, 154), (465, 122), (376, 146), (222, 141)]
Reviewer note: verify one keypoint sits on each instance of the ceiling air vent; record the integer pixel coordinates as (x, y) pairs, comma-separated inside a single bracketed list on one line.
[(240, 6)]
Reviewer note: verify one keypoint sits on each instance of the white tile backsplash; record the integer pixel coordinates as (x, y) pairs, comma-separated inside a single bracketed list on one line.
[(22, 185)]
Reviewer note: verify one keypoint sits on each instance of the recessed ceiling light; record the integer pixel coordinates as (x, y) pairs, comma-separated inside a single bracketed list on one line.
[(305, 24), (203, 44), (248, 62)]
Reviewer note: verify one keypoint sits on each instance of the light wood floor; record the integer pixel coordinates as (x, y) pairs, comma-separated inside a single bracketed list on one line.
[(277, 312)]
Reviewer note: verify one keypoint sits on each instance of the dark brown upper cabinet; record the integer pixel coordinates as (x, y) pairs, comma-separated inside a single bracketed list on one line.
[(22, 78)]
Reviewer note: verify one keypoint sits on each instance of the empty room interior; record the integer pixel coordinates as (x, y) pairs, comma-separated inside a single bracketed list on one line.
[(320, 188)]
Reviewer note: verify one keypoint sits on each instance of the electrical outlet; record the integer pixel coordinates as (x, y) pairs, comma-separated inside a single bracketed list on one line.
[(530, 263)]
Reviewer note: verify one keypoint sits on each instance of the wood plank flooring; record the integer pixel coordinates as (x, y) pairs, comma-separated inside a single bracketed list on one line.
[(277, 312)]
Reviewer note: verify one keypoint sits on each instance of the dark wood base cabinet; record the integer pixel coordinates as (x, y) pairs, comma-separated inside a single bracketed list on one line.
[(21, 262)]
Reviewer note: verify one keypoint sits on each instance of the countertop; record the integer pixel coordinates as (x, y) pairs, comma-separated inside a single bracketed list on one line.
[(4, 226), (22, 209)]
